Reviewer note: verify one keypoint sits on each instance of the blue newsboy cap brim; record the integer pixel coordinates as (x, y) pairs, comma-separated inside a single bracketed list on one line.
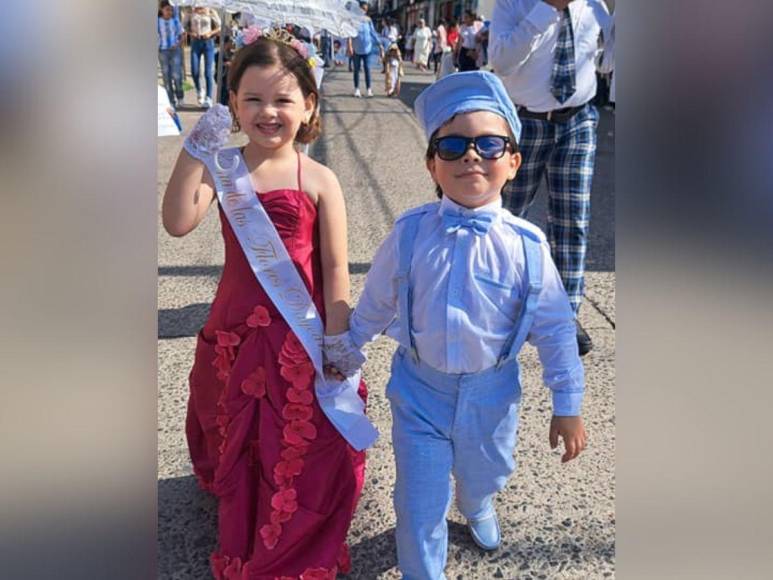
[(465, 92)]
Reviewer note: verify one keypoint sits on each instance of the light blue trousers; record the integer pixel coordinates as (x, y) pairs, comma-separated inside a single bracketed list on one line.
[(444, 424)]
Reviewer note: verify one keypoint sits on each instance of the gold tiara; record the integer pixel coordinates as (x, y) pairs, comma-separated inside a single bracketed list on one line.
[(280, 35)]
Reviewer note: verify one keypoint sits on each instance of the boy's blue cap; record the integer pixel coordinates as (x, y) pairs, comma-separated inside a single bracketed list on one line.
[(464, 92)]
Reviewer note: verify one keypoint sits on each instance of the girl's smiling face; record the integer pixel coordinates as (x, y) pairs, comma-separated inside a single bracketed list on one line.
[(270, 106), (472, 181)]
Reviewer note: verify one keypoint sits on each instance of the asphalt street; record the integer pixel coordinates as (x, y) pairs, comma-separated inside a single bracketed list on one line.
[(558, 520)]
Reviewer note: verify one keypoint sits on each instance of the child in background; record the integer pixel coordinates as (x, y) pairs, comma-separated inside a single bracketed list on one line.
[(393, 61), (339, 55), (286, 480), (460, 284)]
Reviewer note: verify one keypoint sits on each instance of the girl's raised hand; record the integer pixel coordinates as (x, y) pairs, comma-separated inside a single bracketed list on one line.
[(190, 189), (210, 133)]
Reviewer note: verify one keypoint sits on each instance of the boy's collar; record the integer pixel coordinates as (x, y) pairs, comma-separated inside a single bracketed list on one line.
[(447, 205)]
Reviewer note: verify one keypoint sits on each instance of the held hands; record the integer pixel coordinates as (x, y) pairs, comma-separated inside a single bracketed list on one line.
[(210, 133), (341, 357), (331, 372), (572, 431)]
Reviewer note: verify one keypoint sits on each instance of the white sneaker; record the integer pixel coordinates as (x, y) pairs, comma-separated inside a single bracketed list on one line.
[(357, 93), (201, 98), (370, 93), (208, 102)]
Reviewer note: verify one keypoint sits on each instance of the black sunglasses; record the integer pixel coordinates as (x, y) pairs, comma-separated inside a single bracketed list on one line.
[(453, 147)]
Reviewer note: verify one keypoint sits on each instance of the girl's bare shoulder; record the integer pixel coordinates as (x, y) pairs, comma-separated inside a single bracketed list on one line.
[(319, 181)]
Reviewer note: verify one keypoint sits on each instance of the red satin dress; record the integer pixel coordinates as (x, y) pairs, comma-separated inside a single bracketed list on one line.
[(286, 481)]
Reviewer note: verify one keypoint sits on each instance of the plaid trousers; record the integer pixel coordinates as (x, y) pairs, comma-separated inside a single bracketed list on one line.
[(567, 151)]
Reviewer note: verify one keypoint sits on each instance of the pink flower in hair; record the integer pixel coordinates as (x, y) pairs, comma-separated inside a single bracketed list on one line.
[(300, 48), (251, 34)]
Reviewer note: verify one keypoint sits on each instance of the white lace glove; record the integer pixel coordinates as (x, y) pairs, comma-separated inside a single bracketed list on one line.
[(340, 351), (210, 133)]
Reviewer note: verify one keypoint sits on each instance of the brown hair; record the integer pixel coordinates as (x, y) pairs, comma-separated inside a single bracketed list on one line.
[(267, 52), (431, 151)]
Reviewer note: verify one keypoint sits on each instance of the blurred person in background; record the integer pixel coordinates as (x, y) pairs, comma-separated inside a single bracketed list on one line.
[(448, 58), (170, 52), (481, 42), (409, 41), (389, 34), (229, 47), (360, 48), (390, 31), (326, 48), (422, 45), (203, 26), (441, 45), (545, 52), (393, 71), (466, 51), (339, 52)]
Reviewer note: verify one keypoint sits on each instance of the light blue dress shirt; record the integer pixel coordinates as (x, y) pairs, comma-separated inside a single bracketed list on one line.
[(466, 296)]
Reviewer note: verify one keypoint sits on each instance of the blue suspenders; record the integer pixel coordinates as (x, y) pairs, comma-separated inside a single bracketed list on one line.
[(532, 284), (405, 304)]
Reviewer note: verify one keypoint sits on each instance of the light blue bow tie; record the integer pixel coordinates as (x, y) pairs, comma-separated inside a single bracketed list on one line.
[(480, 224)]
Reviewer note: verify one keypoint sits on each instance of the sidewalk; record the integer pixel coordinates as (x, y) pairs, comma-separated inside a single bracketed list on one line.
[(557, 520)]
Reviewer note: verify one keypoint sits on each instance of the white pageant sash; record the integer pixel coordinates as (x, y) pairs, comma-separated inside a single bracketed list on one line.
[(276, 273)]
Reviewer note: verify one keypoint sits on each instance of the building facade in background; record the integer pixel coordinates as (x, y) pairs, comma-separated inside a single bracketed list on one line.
[(408, 12)]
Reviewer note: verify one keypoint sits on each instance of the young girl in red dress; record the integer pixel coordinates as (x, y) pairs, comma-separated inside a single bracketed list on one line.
[(287, 482)]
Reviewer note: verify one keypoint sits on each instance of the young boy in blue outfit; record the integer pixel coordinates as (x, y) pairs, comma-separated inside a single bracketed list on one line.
[(461, 284)]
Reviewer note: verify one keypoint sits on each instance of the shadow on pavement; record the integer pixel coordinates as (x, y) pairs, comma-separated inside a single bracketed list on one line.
[(377, 555), (409, 91), (182, 322), (213, 271), (187, 529), (373, 556)]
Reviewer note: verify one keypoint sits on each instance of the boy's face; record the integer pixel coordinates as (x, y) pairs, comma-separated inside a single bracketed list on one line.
[(472, 181)]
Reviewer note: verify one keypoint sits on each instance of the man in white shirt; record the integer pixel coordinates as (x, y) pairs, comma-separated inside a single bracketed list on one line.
[(544, 51)]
